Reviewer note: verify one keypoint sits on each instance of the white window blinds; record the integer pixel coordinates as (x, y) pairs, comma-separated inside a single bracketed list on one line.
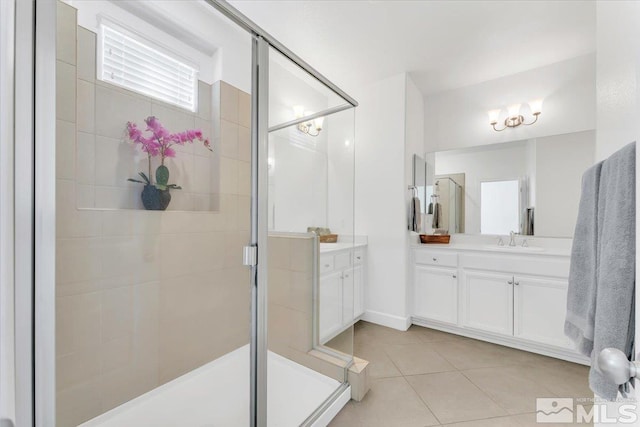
[(134, 65)]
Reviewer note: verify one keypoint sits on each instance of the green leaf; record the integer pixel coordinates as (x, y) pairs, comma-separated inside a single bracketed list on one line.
[(137, 180), (162, 175), (161, 187), (145, 177)]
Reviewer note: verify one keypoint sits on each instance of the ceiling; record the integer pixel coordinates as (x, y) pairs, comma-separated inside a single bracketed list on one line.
[(442, 44)]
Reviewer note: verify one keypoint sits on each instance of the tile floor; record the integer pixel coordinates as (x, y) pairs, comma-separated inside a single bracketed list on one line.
[(423, 377)]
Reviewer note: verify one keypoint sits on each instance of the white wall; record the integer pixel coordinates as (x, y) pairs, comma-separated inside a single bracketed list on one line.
[(560, 162), (381, 197), (458, 118), (414, 144), (618, 98), (618, 46)]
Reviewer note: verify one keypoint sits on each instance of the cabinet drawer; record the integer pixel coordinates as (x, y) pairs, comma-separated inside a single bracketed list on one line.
[(326, 264), (445, 259), (342, 260), (358, 257)]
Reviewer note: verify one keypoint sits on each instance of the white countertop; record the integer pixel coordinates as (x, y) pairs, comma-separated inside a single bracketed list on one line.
[(332, 247), (513, 250)]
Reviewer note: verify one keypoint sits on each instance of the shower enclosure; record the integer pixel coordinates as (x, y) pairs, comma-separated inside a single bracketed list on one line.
[(207, 312)]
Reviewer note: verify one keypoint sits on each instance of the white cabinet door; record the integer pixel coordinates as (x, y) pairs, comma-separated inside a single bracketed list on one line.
[(487, 301), (540, 306), (330, 304), (436, 293), (347, 297), (358, 291)]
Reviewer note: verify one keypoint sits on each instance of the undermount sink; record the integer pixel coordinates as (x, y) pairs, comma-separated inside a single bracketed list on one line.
[(507, 248)]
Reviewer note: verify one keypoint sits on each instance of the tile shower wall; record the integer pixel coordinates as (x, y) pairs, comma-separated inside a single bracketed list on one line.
[(291, 316), (141, 297), (106, 158)]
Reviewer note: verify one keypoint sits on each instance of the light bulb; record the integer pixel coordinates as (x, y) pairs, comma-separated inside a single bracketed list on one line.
[(347, 143), (298, 111), (493, 116), (318, 123), (514, 110), (536, 106)]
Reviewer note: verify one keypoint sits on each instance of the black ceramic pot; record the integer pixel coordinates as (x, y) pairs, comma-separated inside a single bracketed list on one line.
[(154, 199)]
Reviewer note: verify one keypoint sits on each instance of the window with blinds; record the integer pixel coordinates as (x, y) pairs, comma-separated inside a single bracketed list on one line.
[(140, 67)]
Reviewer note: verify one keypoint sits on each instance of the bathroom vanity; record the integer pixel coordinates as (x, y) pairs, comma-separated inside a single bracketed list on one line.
[(514, 296), (342, 268)]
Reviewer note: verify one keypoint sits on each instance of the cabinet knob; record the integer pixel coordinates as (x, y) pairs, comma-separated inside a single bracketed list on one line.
[(326, 265), (516, 283), (435, 259), (510, 282), (454, 276), (358, 257)]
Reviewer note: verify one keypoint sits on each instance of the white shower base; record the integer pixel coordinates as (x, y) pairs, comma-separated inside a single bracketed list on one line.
[(217, 395)]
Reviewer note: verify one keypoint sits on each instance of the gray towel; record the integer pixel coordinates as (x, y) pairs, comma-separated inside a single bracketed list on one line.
[(416, 215), (616, 256), (581, 297), (437, 216)]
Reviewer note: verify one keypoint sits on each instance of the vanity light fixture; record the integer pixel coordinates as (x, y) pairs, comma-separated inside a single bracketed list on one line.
[(514, 118), (312, 127)]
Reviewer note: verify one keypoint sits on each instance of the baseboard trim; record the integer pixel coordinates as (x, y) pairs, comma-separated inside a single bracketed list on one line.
[(540, 348), (389, 320)]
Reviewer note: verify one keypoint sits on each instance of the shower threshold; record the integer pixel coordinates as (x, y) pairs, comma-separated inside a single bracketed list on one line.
[(217, 394)]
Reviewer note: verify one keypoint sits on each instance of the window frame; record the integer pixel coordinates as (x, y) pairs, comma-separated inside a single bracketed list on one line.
[(104, 21)]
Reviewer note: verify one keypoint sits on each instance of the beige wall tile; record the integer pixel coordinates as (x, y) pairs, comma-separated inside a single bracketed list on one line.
[(172, 118), (115, 109), (279, 251), (85, 159), (77, 322), (204, 100), (86, 54), (201, 175), (79, 403), (65, 92), (116, 161), (65, 149), (279, 287), (78, 260), (117, 314), (244, 178), (136, 258), (70, 221), (117, 198), (228, 176), (130, 222), (228, 139), (244, 144), (80, 366), (244, 109), (85, 196), (66, 33), (301, 291), (301, 254), (244, 212), (229, 102), (86, 106)]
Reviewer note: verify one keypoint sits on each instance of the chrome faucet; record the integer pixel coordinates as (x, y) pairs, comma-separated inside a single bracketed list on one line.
[(512, 241)]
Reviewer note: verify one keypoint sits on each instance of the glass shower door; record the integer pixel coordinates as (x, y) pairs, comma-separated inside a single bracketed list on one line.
[(310, 165)]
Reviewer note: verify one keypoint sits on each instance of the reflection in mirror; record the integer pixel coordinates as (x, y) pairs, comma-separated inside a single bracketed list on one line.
[(420, 180), (500, 207), (546, 173)]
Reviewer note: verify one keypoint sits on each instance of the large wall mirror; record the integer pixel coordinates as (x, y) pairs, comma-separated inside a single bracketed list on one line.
[(529, 186)]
